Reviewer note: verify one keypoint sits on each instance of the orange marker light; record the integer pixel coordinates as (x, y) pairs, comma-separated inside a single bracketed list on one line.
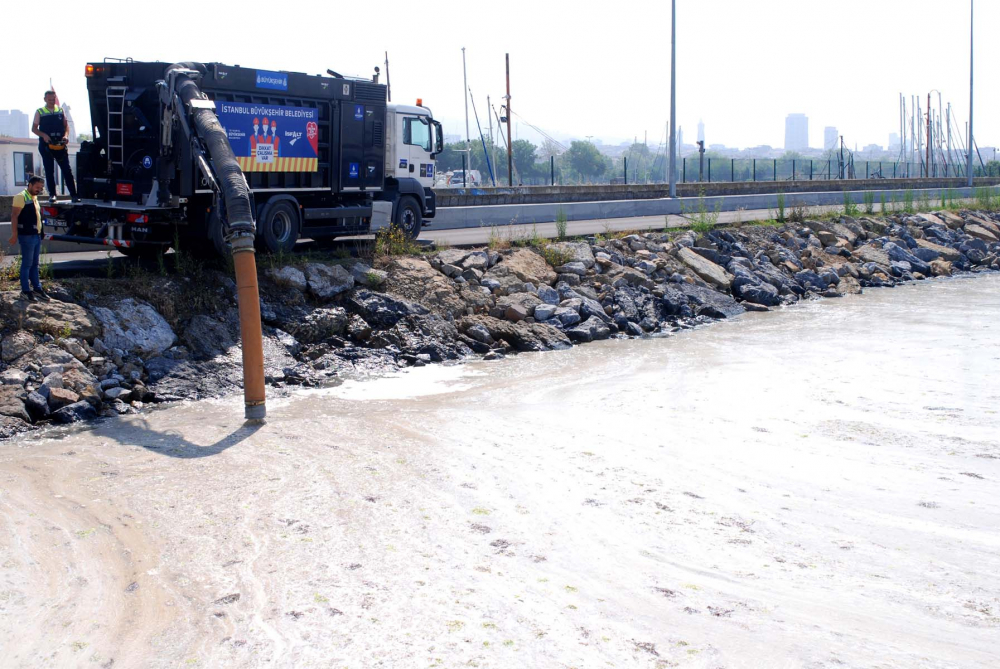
[(89, 71), (420, 102)]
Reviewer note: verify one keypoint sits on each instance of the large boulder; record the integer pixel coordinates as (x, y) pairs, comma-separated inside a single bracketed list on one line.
[(322, 324), (382, 310), (521, 335), (591, 329), (898, 254), (522, 302), (135, 326), (12, 403), (574, 252), (980, 232), (869, 253), (751, 288), (53, 317), (289, 277), (707, 270), (76, 412), (414, 279), (947, 253), (527, 265), (705, 301), (207, 337), (326, 281), (16, 344)]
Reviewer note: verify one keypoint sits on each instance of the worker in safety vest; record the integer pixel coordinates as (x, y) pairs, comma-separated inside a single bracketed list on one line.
[(52, 128), (26, 230)]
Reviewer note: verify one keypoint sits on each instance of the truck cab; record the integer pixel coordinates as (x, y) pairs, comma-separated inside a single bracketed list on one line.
[(413, 141)]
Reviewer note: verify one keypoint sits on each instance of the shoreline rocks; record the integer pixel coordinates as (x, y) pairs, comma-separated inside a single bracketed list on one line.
[(85, 355)]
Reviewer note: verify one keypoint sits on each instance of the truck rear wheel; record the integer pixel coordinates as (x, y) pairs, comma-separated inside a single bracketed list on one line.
[(278, 229), (409, 218)]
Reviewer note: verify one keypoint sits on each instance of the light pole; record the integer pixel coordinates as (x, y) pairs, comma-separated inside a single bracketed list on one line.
[(468, 147), (673, 98), (972, 9)]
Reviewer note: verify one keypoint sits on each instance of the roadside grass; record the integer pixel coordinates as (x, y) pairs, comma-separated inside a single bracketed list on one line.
[(703, 219)]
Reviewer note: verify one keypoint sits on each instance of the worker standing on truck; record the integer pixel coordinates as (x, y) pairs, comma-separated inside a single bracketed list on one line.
[(26, 230), (52, 128)]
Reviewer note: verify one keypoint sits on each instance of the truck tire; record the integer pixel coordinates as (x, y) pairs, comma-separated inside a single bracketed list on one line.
[(278, 228), (409, 218)]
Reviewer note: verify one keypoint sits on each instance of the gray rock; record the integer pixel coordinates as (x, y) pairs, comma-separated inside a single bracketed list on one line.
[(74, 348), (451, 271), (76, 412), (114, 393), (12, 403), (590, 308), (322, 324), (382, 310), (548, 295), (289, 277), (16, 344), (366, 276), (566, 316), (358, 329), (479, 333), (60, 397), (705, 269), (577, 268), (326, 281), (576, 251), (645, 266), (136, 327), (207, 337), (53, 379), (13, 377), (545, 311), (37, 406), (476, 260), (590, 330), (109, 383)]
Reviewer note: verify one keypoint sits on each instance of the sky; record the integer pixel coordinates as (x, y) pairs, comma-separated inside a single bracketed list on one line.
[(577, 69)]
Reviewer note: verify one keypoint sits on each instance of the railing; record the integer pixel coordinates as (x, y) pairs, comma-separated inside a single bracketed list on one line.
[(764, 169)]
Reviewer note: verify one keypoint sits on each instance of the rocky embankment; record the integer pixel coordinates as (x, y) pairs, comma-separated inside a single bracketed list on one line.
[(105, 347)]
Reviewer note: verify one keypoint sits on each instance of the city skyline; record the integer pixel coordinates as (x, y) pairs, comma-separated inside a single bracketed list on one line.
[(595, 90)]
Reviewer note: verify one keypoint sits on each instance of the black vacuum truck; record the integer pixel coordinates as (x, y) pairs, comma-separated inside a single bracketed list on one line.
[(312, 151)]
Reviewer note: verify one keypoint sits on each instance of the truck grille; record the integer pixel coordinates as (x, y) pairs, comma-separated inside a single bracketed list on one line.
[(377, 133)]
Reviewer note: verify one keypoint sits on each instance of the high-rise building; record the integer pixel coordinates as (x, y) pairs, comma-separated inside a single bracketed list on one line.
[(796, 132), (14, 123), (893, 140), (831, 138), (701, 130)]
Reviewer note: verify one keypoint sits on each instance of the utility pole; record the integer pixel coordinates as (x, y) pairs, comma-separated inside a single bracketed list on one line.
[(673, 98), (971, 64), (929, 142), (468, 144), (489, 117), (510, 143)]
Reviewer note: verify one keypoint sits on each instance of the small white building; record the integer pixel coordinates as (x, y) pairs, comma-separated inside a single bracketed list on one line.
[(19, 159)]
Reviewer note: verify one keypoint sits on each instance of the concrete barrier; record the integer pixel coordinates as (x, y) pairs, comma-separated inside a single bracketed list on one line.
[(490, 215), (471, 197)]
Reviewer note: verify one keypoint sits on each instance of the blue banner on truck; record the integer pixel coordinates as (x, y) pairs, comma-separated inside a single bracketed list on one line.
[(271, 138), (275, 81)]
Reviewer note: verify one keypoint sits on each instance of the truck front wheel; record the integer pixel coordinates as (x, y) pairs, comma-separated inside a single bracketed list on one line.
[(408, 217), (279, 227)]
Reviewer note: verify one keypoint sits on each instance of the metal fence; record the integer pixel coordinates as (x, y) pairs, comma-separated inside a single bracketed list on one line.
[(692, 170)]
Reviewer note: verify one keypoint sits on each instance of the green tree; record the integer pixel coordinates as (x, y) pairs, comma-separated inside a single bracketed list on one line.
[(525, 160), (585, 162)]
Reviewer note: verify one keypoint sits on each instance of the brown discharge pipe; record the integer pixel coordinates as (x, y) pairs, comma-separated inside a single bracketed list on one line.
[(240, 230), (245, 262)]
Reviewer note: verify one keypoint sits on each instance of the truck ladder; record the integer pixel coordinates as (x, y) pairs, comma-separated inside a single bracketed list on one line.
[(116, 125)]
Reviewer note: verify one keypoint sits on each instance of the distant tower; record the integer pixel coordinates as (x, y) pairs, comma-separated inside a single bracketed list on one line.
[(701, 130), (830, 138), (680, 139), (796, 132)]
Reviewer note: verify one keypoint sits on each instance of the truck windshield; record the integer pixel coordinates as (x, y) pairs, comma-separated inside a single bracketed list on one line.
[(417, 133)]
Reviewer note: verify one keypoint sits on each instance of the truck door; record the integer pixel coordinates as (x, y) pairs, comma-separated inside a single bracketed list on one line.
[(415, 148)]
